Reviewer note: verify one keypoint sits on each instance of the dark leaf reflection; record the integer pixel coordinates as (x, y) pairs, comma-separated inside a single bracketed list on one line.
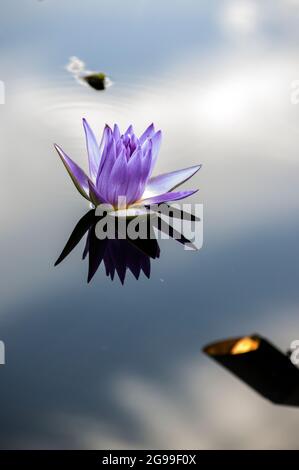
[(119, 255)]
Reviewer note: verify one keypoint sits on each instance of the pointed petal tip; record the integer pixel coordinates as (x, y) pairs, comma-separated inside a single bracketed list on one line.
[(64, 157), (195, 168), (90, 276), (156, 136), (86, 125)]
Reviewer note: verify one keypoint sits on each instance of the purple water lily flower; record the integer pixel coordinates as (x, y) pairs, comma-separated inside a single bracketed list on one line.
[(120, 170)]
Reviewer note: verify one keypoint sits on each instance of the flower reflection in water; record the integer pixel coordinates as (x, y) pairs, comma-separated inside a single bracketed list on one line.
[(120, 254)]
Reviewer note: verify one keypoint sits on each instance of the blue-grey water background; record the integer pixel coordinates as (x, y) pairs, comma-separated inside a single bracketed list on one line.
[(111, 366)]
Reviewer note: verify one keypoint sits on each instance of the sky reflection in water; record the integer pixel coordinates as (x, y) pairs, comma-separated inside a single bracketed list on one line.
[(103, 365)]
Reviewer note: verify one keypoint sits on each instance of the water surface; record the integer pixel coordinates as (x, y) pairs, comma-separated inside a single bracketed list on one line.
[(106, 365)]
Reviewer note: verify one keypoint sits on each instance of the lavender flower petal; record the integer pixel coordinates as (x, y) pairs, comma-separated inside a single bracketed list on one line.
[(129, 131), (146, 161), (92, 150), (103, 178), (105, 138), (149, 132), (104, 146), (134, 176), (79, 178), (156, 143), (122, 166), (168, 181), (118, 180), (166, 197), (116, 132), (95, 197)]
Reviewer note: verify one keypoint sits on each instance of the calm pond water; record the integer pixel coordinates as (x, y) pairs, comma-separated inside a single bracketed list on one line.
[(106, 365)]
